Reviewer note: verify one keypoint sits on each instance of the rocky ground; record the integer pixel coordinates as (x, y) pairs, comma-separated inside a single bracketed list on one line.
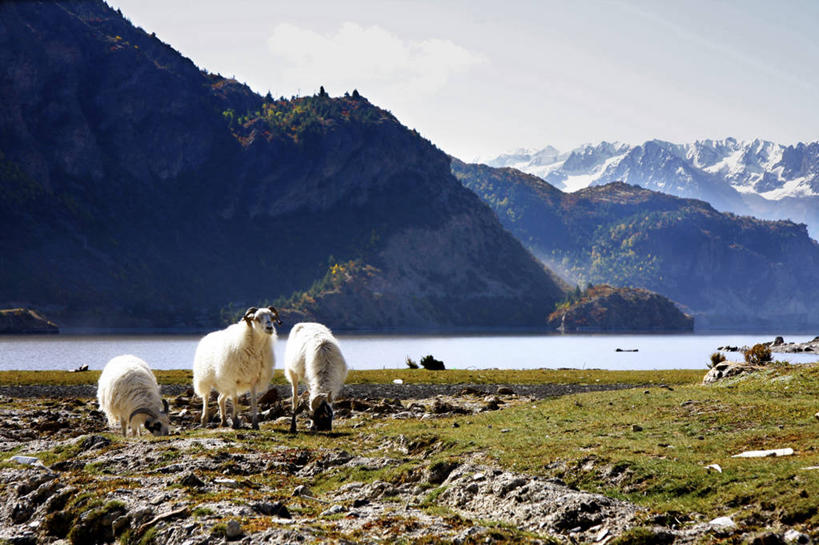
[(778, 345), (65, 478)]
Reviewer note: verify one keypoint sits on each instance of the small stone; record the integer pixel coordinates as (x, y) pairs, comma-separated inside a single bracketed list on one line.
[(191, 480), (636, 427), (792, 536), (94, 441), (302, 490), (360, 502), (723, 522), (233, 530), (334, 510), (275, 509)]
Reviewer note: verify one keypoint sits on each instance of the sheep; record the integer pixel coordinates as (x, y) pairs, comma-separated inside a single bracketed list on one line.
[(313, 352), (236, 360), (128, 394)]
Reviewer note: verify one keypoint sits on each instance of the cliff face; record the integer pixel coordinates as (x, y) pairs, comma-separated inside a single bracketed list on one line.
[(729, 271), (154, 194), (604, 308)]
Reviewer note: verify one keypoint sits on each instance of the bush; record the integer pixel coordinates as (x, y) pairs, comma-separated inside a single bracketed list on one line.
[(428, 362), (716, 358), (411, 364), (758, 354)]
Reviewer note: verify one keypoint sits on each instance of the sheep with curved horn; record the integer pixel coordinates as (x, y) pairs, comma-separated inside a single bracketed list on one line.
[(129, 396), (236, 360)]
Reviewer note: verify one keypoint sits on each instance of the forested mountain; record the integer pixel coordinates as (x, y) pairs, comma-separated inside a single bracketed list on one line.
[(729, 271), (138, 190), (757, 177)]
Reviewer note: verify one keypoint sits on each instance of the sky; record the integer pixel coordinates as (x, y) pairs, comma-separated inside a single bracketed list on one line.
[(479, 78)]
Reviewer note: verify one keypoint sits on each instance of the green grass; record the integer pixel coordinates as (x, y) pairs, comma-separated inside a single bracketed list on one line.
[(589, 441), (409, 376)]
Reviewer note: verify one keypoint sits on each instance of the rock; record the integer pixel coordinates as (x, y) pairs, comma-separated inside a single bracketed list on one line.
[(92, 442), (714, 467), (302, 490), (505, 391), (778, 341), (21, 511), (792, 536), (636, 427), (233, 530), (270, 397), (439, 471), (26, 538), (275, 509), (191, 480), (360, 502), (766, 538), (724, 523), (334, 510)]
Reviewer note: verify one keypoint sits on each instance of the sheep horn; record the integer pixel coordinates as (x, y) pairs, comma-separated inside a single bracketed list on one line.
[(165, 405), (248, 313), (142, 410), (276, 314)]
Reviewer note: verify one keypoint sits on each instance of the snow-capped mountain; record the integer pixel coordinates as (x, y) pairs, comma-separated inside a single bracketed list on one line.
[(756, 177)]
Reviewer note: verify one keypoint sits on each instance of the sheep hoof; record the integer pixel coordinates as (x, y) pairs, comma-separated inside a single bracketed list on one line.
[(237, 423), (292, 426), (255, 424)]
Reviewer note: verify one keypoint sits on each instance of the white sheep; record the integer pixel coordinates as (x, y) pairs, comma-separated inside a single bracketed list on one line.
[(129, 395), (313, 352), (236, 360)]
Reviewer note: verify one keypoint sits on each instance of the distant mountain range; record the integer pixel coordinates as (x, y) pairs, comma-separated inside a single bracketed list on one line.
[(759, 178), (138, 191), (726, 270)]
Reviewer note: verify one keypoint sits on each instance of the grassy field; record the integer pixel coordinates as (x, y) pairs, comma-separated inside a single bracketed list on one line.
[(409, 376), (650, 444)]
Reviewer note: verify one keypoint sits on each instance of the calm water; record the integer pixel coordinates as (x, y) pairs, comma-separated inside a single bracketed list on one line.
[(377, 352)]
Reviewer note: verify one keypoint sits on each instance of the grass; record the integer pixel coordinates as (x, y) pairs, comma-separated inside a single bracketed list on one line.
[(589, 441), (408, 376), (649, 445)]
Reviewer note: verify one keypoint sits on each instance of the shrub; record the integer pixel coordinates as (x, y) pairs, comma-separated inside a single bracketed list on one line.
[(716, 358), (428, 362), (411, 364), (758, 354)]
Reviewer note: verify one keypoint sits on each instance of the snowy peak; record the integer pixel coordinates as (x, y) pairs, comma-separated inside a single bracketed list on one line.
[(719, 170)]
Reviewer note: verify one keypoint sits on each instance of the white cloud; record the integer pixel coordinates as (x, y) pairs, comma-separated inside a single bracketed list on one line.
[(371, 59)]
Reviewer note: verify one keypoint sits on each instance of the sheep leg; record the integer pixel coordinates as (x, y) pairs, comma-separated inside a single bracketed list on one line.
[(295, 405), (205, 410), (222, 410), (235, 419), (124, 427), (253, 407)]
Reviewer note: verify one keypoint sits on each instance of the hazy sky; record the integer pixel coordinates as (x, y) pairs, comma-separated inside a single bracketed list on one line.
[(479, 78)]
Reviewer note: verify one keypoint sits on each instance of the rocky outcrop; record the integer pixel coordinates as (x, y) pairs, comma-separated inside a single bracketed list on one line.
[(21, 321), (604, 308)]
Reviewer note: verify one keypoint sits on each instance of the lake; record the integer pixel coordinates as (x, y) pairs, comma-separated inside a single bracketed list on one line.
[(690, 351)]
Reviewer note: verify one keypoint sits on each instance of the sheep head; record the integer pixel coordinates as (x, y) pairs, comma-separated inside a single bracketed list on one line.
[(321, 412), (155, 423), (262, 318)]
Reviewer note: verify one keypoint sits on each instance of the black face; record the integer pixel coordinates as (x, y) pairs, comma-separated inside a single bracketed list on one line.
[(323, 417), (153, 426)]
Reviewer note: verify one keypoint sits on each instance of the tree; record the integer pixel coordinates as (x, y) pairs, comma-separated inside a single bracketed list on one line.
[(322, 92)]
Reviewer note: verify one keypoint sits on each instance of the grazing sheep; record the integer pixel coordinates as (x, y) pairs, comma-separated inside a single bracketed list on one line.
[(236, 360), (129, 395), (313, 352)]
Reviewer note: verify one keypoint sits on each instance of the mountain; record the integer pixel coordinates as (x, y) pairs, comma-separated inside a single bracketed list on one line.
[(728, 271), (604, 308), (761, 178), (137, 190)]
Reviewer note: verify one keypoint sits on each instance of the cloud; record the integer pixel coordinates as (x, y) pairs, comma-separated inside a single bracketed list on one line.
[(371, 59)]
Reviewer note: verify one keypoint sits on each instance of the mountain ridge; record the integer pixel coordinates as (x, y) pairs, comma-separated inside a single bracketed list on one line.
[(755, 177), (158, 195), (726, 270)]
